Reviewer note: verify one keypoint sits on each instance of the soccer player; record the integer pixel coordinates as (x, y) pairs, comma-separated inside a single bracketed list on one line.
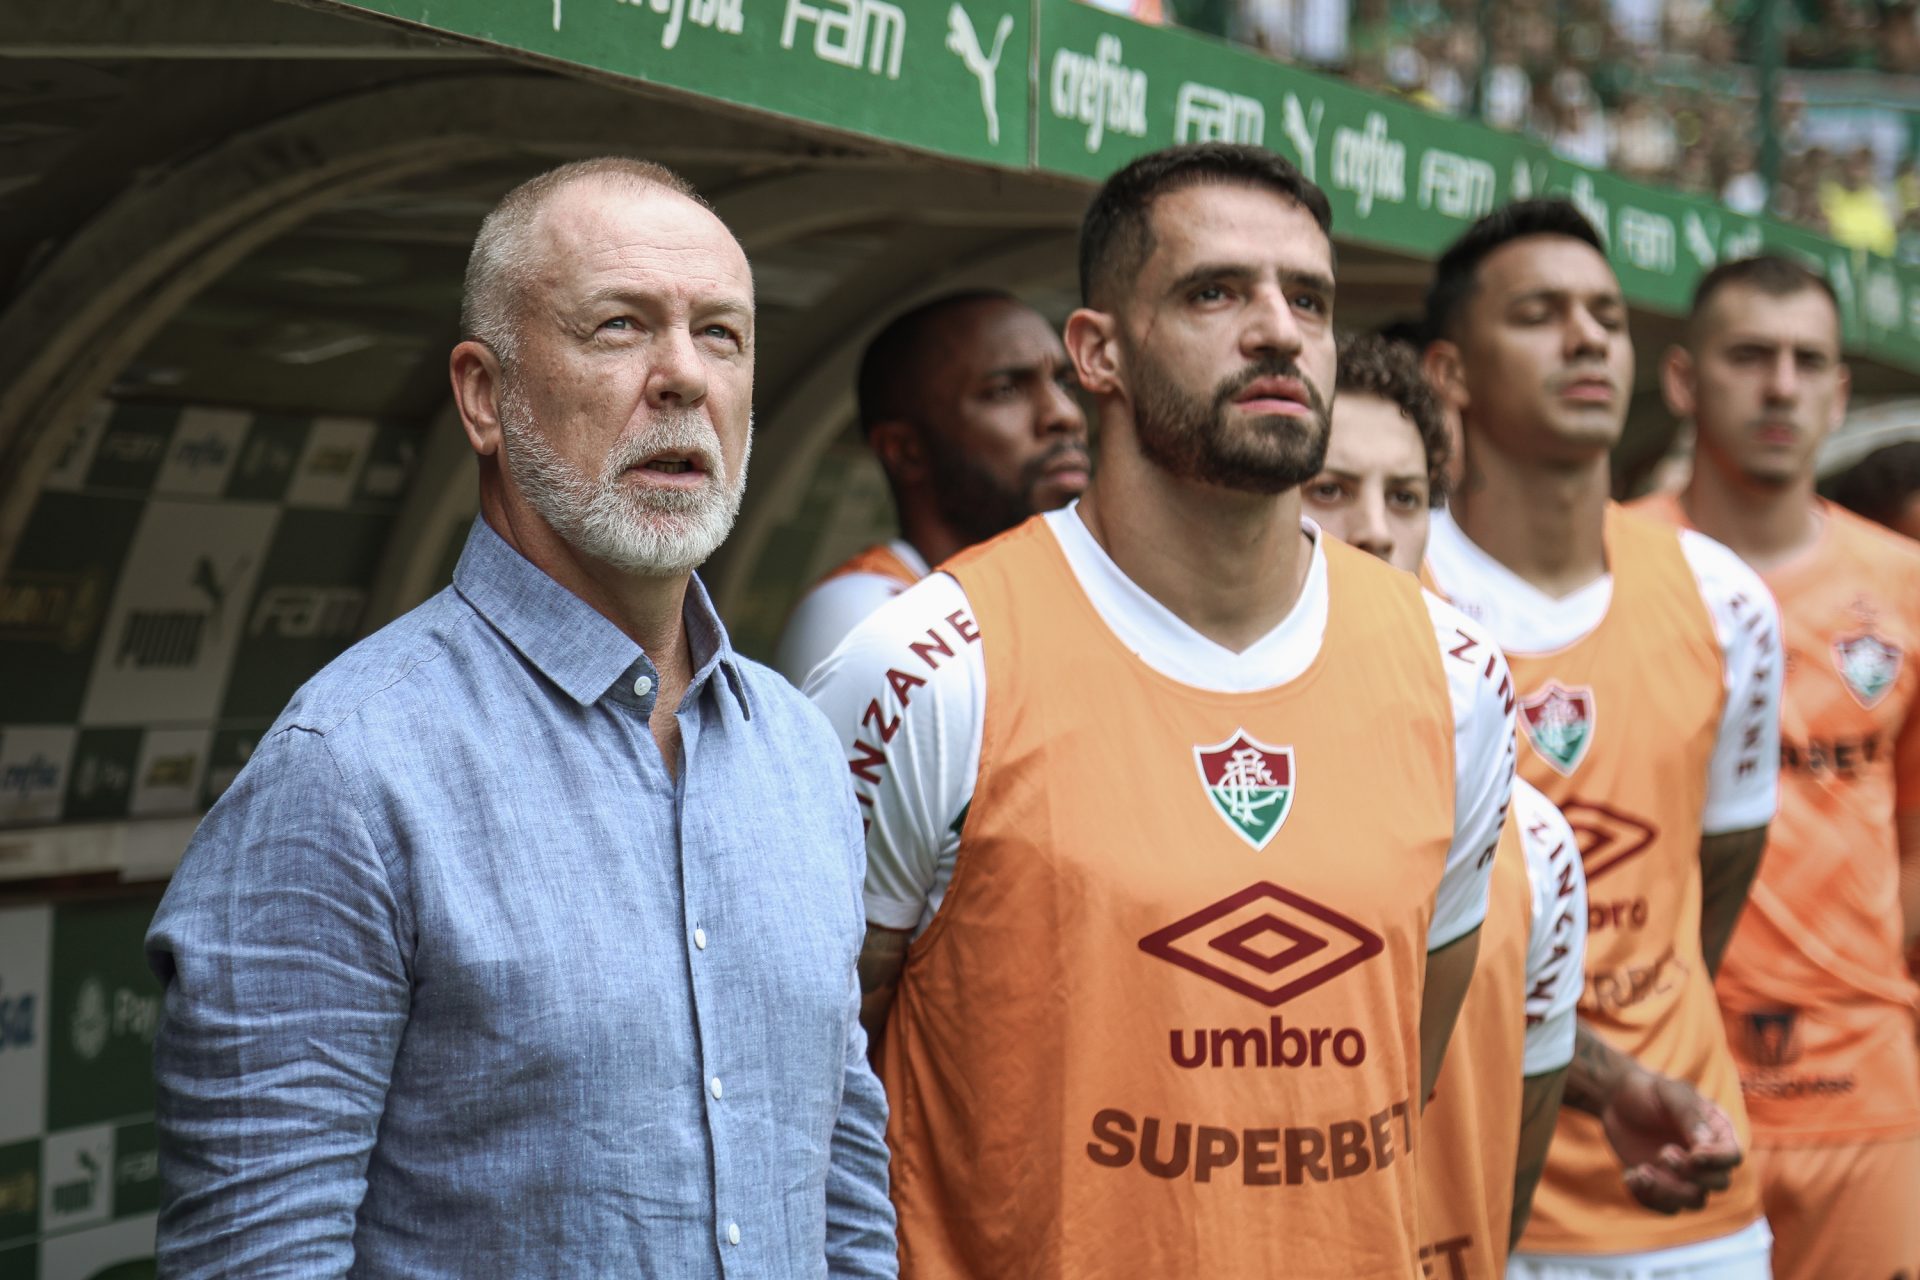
[(1819, 1009), (1648, 668), (1180, 813), (968, 405), (1492, 1114)]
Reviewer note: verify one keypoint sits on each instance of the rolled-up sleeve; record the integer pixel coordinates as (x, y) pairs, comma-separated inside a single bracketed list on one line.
[(281, 947), (860, 1218)]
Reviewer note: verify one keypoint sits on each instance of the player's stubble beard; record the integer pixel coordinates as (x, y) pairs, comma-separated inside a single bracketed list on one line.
[(976, 504), (657, 533), (1189, 436)]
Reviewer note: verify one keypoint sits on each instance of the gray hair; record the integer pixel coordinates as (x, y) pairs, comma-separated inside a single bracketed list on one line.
[(504, 254)]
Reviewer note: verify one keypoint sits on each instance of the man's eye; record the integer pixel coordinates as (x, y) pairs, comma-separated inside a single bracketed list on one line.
[(1312, 302), (617, 322), (1324, 491), (1209, 293), (1000, 391), (723, 333), (1407, 499)]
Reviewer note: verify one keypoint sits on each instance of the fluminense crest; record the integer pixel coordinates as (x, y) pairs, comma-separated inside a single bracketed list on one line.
[(1250, 784), (1559, 724)]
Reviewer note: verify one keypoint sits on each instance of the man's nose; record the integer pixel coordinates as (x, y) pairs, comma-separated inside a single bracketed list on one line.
[(676, 375), (1371, 531), (1783, 379), (1059, 411), (1272, 327), (1585, 335)]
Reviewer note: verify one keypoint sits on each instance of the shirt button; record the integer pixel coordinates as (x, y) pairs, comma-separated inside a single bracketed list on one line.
[(643, 686), (733, 1233), (700, 939), (715, 1086)]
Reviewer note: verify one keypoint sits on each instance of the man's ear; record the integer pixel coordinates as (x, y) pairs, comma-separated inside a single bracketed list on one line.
[(897, 444), (1093, 344), (1446, 373), (1676, 382), (475, 371)]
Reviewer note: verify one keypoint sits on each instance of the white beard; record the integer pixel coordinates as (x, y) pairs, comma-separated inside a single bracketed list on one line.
[(658, 533)]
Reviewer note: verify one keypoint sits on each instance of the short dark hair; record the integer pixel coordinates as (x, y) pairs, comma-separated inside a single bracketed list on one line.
[(1372, 365), (1457, 274), (1410, 331), (1771, 274), (1879, 485), (1116, 236), (892, 369)]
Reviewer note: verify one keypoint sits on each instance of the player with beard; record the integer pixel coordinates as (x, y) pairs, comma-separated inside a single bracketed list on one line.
[(1648, 669), (967, 403), (1820, 1012), (1179, 813)]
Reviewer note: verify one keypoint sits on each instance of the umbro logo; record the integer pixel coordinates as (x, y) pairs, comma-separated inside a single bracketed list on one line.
[(1607, 836), (1267, 943)]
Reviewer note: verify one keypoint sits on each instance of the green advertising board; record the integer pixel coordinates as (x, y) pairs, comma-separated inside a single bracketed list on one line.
[(1060, 87), (947, 78), (79, 1155)]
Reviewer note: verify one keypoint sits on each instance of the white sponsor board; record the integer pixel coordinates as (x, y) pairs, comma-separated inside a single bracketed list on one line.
[(26, 944), (167, 779), (76, 452), (205, 445), (34, 760), (330, 465), (76, 1178), (182, 605)]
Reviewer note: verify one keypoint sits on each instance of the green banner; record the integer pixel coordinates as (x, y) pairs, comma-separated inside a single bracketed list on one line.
[(954, 79), (106, 1008), (950, 78)]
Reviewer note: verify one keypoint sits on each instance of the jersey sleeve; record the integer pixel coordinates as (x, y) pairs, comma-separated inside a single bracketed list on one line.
[(1744, 775), (1481, 690), (825, 616), (1557, 942), (906, 693)]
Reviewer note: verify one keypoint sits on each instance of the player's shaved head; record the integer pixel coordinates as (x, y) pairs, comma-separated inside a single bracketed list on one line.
[(1767, 274), (896, 372)]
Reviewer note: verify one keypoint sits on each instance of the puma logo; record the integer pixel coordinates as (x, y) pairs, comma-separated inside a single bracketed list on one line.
[(1303, 131), (965, 44)]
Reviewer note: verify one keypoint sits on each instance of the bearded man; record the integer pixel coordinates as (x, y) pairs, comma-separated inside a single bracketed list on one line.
[(1165, 787), (468, 973), (967, 404)]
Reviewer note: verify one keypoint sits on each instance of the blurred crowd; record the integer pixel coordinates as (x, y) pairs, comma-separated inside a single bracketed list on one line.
[(1660, 90)]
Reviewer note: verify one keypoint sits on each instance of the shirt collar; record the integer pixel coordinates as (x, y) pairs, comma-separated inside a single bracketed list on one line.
[(568, 640)]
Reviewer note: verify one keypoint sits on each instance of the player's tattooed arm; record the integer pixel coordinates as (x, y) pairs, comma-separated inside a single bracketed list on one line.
[(1728, 863), (1449, 969), (1674, 1146), (1539, 1107), (882, 955)]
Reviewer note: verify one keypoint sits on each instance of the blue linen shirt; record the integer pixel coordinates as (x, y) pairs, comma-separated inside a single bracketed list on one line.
[(463, 982)]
